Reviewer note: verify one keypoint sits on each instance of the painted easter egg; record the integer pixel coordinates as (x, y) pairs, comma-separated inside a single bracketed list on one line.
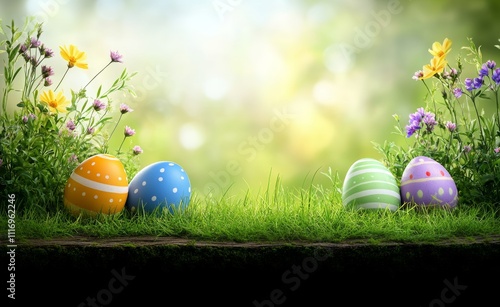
[(426, 182), (98, 185), (160, 185), (369, 184)]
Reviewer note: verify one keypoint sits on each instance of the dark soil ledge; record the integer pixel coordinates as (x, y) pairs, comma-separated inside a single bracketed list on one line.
[(165, 271)]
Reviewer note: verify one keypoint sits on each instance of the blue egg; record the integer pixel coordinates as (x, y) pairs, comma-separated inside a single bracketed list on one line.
[(160, 185)]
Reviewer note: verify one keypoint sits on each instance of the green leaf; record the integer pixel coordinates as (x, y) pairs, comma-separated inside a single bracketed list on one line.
[(14, 52), (99, 91), (16, 72), (42, 108), (21, 104)]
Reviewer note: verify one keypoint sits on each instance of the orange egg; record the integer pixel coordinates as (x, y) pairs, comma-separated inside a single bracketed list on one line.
[(98, 185)]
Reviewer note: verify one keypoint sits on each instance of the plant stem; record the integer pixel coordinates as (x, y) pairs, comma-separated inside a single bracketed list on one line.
[(496, 100), (61, 79), (121, 114), (119, 148), (97, 74), (430, 93), (478, 120)]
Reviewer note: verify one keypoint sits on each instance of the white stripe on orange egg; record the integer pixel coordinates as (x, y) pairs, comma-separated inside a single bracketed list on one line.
[(99, 186)]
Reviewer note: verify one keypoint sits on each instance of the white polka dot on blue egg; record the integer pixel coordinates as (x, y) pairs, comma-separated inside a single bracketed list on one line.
[(163, 184)]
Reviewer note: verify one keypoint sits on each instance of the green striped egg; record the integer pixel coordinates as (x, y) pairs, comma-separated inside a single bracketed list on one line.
[(368, 184)]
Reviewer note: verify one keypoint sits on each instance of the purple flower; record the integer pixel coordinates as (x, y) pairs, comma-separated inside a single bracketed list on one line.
[(48, 53), (125, 108), (98, 105), (429, 121), (90, 130), (419, 117), (129, 131), (467, 148), (47, 71), (137, 150), (497, 150), (496, 76), (411, 129), (491, 64), (469, 84), (70, 125), (478, 82), (115, 57), (457, 92), (22, 48), (29, 117), (473, 84), (35, 43), (451, 126), (484, 71)]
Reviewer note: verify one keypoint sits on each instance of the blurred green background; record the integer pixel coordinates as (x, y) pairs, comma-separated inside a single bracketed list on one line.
[(236, 90)]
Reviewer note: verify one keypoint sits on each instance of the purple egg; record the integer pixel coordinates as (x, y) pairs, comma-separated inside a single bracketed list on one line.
[(426, 182)]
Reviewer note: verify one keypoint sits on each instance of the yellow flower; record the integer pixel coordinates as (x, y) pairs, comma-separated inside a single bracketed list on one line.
[(435, 67), (56, 103), (74, 56), (441, 50)]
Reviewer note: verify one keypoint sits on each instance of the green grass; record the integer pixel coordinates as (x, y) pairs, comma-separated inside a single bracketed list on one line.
[(314, 214)]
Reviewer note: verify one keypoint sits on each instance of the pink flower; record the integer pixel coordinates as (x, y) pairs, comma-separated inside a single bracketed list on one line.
[(70, 125), (115, 56), (98, 105), (129, 131), (137, 150), (497, 150), (125, 108), (451, 126), (417, 75)]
